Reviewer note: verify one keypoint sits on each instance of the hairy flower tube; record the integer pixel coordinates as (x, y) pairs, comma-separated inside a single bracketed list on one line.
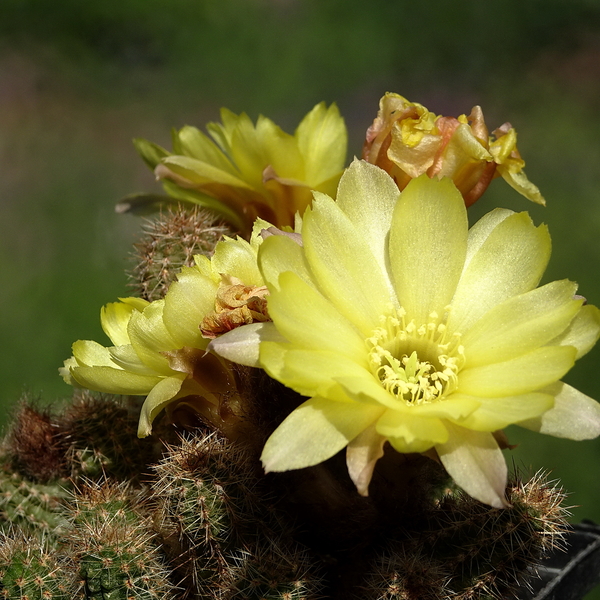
[(160, 348), (407, 140), (247, 171), (401, 325)]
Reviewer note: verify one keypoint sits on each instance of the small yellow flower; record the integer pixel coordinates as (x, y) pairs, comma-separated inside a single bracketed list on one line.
[(407, 140), (159, 350), (247, 171), (402, 325)]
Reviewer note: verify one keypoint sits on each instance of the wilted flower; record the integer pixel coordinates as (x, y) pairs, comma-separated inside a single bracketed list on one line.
[(403, 325), (159, 348), (247, 171), (407, 140)]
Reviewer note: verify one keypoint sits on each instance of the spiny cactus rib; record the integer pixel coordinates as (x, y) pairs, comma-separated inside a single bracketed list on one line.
[(169, 242), (495, 549), (107, 501), (207, 504), (272, 569), (99, 432), (33, 507), (32, 446), (112, 542), (404, 572), (31, 570), (471, 551), (208, 486)]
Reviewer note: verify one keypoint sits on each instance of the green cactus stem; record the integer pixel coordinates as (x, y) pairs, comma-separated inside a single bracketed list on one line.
[(99, 432), (35, 508), (113, 545), (31, 570), (168, 243)]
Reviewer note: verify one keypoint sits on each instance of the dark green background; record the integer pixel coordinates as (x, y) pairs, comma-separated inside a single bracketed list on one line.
[(79, 80)]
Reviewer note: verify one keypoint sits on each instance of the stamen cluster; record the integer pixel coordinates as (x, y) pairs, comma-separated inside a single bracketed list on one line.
[(416, 364)]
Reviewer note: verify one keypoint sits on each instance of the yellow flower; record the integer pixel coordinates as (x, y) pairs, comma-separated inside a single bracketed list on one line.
[(402, 325), (158, 348), (407, 140), (247, 171)]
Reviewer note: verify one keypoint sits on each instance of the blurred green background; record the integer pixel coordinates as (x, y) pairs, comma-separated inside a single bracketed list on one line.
[(79, 80)]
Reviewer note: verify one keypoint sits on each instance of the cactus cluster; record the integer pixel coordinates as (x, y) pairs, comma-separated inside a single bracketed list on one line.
[(89, 511), (202, 521)]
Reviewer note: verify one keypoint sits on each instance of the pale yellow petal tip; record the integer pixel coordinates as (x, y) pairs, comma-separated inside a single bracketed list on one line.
[(65, 371), (518, 181)]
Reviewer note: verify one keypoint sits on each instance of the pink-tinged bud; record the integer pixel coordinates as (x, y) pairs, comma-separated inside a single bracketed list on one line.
[(406, 140)]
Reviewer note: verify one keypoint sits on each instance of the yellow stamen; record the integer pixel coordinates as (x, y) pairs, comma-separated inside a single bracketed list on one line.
[(416, 364)]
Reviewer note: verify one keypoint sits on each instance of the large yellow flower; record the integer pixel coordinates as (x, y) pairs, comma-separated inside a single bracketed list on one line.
[(247, 171), (403, 325), (160, 348), (407, 140)]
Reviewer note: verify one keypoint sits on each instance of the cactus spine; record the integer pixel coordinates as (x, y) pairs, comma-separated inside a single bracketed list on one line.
[(169, 242)]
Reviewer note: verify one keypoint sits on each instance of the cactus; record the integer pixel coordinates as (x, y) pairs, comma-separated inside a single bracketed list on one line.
[(273, 569), (405, 572), (112, 543), (471, 551), (204, 522), (33, 507), (119, 561), (169, 242), (32, 446), (99, 435), (207, 502), (29, 569)]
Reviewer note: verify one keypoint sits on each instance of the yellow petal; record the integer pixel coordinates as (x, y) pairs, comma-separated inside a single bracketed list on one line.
[(362, 455), (191, 142), (520, 375), (368, 195), (149, 337), (309, 372), (187, 302), (519, 182), (113, 381), (303, 316), (510, 261), (476, 464), (497, 413), (322, 141), (521, 324), (583, 331), (199, 173), (242, 344), (114, 318), (575, 416), (278, 254), (333, 424), (162, 393), (92, 354), (480, 232), (343, 265), (427, 431), (238, 258), (127, 359), (428, 241)]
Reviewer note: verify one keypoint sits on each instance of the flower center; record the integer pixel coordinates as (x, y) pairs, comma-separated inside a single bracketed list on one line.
[(415, 364)]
